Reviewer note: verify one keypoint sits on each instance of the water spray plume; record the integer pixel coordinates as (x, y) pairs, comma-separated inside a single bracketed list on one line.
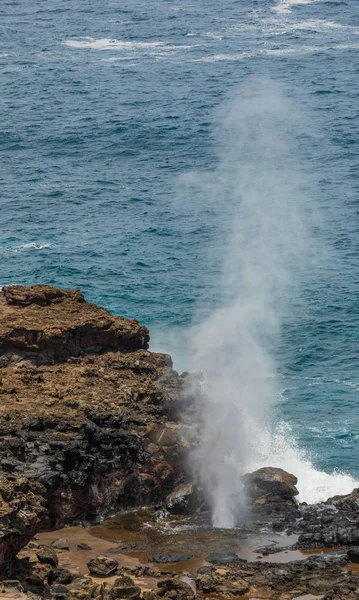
[(260, 194)]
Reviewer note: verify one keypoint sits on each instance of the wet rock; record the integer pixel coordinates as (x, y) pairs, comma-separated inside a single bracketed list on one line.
[(173, 557), (83, 546), (176, 589), (183, 499), (124, 587), (61, 544), (102, 566), (160, 514), (353, 554), (270, 485), (47, 556), (222, 558)]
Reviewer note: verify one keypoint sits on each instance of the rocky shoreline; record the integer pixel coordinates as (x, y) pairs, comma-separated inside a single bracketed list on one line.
[(93, 424)]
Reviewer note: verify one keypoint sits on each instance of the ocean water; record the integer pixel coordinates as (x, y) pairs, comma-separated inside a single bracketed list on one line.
[(108, 110)]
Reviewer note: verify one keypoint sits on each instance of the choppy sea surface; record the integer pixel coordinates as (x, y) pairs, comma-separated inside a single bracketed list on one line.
[(107, 108)]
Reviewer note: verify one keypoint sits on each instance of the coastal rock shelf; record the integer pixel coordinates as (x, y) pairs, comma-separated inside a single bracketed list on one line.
[(93, 424), (85, 408)]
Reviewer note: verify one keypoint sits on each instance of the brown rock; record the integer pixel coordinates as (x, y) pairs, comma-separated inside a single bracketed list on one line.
[(45, 324), (163, 436), (47, 556), (102, 566), (270, 484), (61, 544), (176, 589), (124, 587), (21, 517)]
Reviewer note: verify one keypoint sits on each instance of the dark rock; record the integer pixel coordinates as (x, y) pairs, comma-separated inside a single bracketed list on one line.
[(83, 546), (176, 589), (102, 566), (62, 576), (353, 554), (161, 514), (270, 485), (222, 558), (183, 499), (47, 556), (204, 570), (173, 557), (124, 587), (61, 544), (59, 592)]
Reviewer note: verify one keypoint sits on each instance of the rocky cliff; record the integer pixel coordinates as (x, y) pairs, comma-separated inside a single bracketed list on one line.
[(85, 408)]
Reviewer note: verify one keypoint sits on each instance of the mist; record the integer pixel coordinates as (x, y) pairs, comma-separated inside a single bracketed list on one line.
[(268, 222)]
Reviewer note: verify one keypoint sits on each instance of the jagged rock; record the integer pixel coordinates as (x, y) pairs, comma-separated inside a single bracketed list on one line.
[(47, 556), (46, 324), (79, 395), (124, 587), (271, 485), (176, 589), (62, 576), (22, 514), (183, 499), (61, 544), (102, 566)]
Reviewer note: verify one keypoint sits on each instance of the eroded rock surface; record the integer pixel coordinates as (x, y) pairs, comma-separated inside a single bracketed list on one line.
[(270, 485), (22, 515), (85, 408)]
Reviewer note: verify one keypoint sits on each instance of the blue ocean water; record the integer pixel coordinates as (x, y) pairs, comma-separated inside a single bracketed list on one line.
[(105, 106)]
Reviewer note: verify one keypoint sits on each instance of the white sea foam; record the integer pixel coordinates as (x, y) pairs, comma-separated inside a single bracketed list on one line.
[(300, 50), (32, 246), (279, 449), (286, 6), (89, 43)]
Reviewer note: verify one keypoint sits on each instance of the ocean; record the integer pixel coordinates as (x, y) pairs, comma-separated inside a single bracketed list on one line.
[(111, 115)]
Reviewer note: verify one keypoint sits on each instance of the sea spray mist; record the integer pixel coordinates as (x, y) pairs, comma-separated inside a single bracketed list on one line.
[(260, 192)]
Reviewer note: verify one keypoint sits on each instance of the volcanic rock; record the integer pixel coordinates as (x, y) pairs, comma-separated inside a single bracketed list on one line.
[(47, 556), (183, 499), (176, 589), (270, 485), (22, 515), (124, 587), (61, 544), (102, 566), (173, 557), (79, 396), (222, 558), (45, 324)]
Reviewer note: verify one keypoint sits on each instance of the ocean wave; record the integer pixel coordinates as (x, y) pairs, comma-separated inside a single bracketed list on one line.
[(280, 449), (32, 246), (89, 43), (286, 6), (278, 52)]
